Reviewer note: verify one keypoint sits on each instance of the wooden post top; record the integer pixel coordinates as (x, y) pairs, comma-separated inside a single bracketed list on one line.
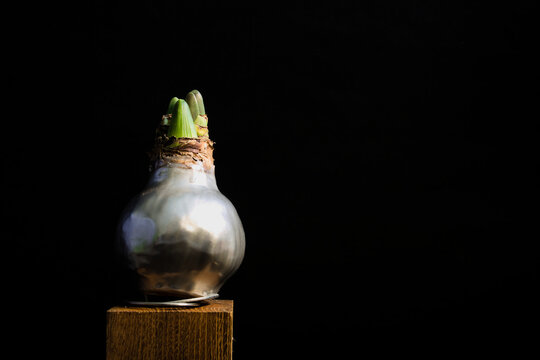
[(160, 333), (213, 306)]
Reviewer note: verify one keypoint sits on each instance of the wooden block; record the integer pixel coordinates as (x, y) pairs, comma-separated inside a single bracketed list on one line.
[(171, 332)]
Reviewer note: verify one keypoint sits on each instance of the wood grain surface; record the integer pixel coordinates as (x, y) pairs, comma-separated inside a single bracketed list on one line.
[(203, 332)]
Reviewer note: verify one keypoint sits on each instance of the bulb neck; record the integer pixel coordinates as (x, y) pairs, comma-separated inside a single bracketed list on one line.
[(189, 152)]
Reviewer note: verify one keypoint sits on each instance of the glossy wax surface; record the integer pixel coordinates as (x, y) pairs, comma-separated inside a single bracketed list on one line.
[(181, 236)]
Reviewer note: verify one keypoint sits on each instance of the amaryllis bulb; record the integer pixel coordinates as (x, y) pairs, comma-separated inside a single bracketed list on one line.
[(181, 236)]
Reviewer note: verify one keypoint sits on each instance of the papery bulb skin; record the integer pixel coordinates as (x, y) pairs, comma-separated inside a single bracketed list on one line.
[(181, 236)]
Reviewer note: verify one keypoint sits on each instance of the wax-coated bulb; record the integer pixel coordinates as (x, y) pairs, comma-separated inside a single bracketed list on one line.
[(181, 235)]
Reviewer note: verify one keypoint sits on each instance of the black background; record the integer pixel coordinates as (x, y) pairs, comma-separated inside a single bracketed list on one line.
[(380, 157)]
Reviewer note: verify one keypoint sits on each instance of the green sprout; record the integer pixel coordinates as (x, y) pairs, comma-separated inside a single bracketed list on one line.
[(181, 123), (196, 104)]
